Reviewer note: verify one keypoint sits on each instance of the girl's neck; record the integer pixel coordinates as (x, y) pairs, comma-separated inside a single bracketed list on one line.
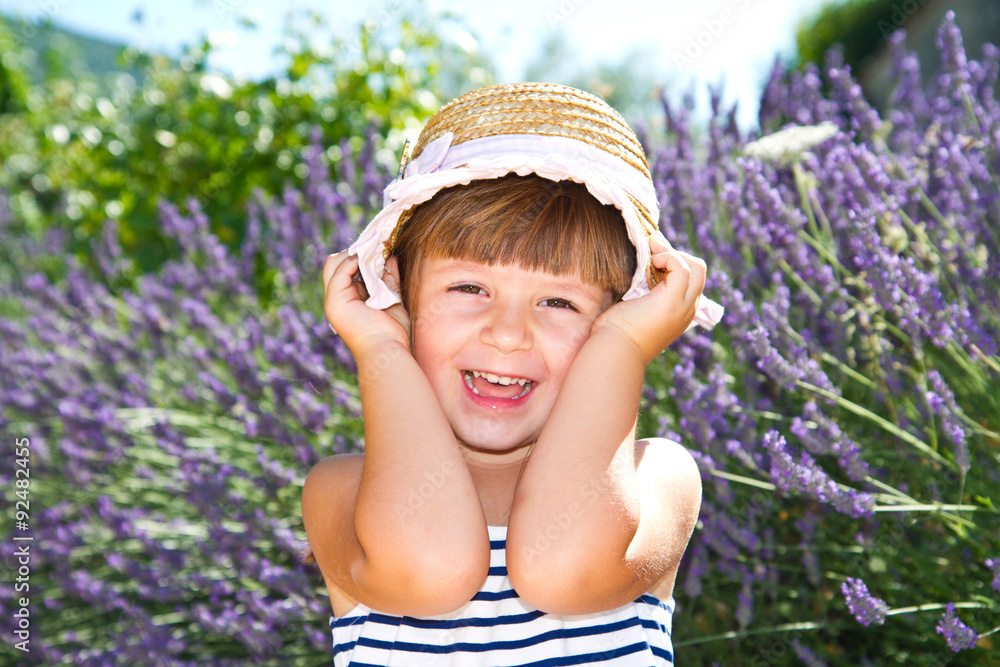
[(496, 481)]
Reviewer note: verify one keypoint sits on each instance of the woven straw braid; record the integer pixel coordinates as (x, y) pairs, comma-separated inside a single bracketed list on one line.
[(536, 108), (653, 276)]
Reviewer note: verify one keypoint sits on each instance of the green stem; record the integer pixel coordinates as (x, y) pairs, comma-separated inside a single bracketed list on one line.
[(891, 489), (989, 361), (760, 631), (936, 606), (931, 507), (810, 292), (826, 254), (749, 481), (880, 421), (800, 184), (923, 238), (961, 488)]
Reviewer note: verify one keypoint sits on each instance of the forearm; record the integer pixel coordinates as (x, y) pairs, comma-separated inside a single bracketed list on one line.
[(417, 511), (578, 491)]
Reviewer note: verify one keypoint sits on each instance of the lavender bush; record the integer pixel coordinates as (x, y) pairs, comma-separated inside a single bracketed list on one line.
[(170, 431), (844, 415)]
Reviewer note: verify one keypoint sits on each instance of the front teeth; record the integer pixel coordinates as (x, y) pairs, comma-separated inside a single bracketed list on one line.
[(497, 379), (500, 379)]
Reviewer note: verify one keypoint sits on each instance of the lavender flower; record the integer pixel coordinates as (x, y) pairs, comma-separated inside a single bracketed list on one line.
[(942, 402), (807, 655), (994, 565), (821, 435), (866, 608), (745, 601), (958, 635), (805, 476)]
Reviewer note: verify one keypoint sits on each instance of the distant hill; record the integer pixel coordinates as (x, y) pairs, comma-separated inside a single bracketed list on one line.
[(81, 54)]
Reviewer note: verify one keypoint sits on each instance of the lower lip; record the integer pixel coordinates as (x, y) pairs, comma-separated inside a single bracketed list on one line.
[(495, 403)]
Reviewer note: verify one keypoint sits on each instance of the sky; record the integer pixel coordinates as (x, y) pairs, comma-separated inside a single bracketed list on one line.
[(685, 43)]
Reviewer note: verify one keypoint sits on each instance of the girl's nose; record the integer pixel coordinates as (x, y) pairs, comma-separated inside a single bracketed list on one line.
[(507, 329)]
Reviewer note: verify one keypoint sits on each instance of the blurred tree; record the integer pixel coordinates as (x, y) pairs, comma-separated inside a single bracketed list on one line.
[(628, 85), (78, 149), (861, 29), (857, 25), (14, 81)]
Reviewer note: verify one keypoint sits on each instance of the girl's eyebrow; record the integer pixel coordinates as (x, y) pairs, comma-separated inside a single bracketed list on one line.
[(455, 265), (567, 284)]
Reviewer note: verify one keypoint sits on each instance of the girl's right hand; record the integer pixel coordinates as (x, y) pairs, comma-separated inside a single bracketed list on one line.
[(361, 326)]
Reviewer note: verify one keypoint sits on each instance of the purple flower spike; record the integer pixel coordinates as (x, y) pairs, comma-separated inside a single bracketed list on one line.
[(807, 655), (994, 565), (866, 608), (806, 477), (958, 635)]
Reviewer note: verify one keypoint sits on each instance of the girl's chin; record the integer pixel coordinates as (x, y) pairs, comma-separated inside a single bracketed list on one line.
[(501, 443)]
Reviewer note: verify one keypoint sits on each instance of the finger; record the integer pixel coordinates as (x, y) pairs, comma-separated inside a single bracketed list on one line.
[(359, 284), (659, 243), (331, 264), (697, 281), (677, 278), (659, 259), (342, 277)]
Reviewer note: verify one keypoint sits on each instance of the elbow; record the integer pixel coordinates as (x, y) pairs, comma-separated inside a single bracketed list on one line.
[(430, 584), (558, 574), (564, 587), (567, 592)]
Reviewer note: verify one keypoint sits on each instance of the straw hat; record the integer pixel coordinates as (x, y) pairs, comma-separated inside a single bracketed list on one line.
[(554, 131)]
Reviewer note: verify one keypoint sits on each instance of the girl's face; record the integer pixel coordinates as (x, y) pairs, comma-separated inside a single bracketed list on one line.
[(496, 343)]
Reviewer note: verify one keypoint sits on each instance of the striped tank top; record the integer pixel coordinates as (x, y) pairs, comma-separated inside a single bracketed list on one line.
[(496, 628)]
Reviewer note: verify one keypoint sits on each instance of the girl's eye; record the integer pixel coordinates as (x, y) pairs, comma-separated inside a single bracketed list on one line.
[(558, 303), (468, 289)]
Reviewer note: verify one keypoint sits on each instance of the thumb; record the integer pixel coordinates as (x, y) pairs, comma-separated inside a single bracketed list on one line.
[(330, 265)]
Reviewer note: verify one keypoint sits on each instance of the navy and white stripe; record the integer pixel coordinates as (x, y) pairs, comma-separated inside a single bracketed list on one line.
[(496, 628)]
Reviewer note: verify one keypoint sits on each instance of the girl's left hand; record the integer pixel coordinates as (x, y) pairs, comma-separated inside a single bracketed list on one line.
[(657, 319), (344, 296)]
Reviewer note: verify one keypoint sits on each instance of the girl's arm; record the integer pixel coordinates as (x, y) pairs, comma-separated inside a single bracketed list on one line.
[(414, 541), (596, 520)]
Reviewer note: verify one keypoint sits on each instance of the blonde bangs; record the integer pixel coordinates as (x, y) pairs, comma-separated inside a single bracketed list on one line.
[(527, 221)]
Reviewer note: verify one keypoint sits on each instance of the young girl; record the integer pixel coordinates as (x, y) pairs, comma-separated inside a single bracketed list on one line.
[(502, 309)]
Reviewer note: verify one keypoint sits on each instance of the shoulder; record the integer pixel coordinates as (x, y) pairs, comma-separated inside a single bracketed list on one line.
[(670, 496), (330, 490), (335, 467), (669, 484), (328, 496), (668, 462), (328, 500), (335, 478)]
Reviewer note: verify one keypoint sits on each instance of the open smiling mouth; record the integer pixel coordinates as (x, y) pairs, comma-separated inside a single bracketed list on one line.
[(496, 386)]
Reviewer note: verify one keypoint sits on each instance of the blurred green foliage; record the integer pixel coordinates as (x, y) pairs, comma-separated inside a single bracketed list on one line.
[(859, 26), (78, 148)]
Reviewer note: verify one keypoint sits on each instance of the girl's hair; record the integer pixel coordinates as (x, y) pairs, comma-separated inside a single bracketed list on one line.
[(528, 221)]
